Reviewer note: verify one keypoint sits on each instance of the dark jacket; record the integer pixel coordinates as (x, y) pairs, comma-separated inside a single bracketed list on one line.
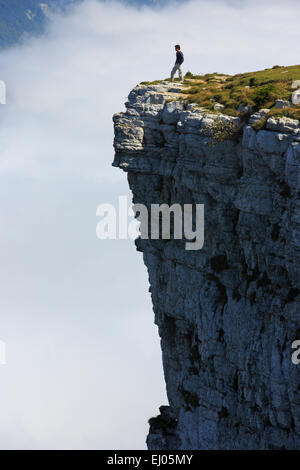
[(179, 57)]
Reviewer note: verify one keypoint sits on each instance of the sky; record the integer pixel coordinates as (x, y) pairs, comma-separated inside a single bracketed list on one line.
[(83, 355)]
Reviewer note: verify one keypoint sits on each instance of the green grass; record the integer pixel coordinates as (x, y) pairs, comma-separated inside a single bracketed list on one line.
[(157, 82), (255, 89)]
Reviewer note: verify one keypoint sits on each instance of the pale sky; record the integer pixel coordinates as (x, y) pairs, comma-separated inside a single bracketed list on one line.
[(83, 356)]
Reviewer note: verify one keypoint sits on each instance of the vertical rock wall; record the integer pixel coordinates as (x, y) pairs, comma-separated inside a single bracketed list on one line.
[(229, 313)]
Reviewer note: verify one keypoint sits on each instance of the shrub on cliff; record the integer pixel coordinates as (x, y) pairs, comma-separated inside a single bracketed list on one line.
[(263, 95), (221, 130)]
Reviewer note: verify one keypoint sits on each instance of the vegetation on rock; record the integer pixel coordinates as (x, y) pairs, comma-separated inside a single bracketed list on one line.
[(242, 93)]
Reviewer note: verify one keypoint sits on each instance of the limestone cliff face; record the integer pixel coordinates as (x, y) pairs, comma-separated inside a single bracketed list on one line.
[(229, 313)]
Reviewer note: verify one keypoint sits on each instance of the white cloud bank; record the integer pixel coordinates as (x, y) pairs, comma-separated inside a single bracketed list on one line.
[(84, 368)]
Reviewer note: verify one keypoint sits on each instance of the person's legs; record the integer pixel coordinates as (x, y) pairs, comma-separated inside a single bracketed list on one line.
[(180, 72), (174, 70)]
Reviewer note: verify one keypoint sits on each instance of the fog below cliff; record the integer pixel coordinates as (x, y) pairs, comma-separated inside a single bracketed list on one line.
[(83, 359)]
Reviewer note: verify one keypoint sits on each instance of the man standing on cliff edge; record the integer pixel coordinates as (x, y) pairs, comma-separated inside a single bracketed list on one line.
[(178, 63)]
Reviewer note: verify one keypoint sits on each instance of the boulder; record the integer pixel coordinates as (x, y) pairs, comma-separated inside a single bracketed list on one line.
[(295, 84), (296, 97), (218, 107), (283, 124), (192, 105), (280, 104), (175, 89), (244, 109), (256, 117)]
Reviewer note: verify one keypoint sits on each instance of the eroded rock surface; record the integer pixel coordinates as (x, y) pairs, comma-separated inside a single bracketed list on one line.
[(229, 313)]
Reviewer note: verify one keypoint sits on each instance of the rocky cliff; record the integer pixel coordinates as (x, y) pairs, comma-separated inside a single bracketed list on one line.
[(227, 314)]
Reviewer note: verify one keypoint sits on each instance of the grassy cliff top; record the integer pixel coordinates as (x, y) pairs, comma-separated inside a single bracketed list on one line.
[(256, 90)]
